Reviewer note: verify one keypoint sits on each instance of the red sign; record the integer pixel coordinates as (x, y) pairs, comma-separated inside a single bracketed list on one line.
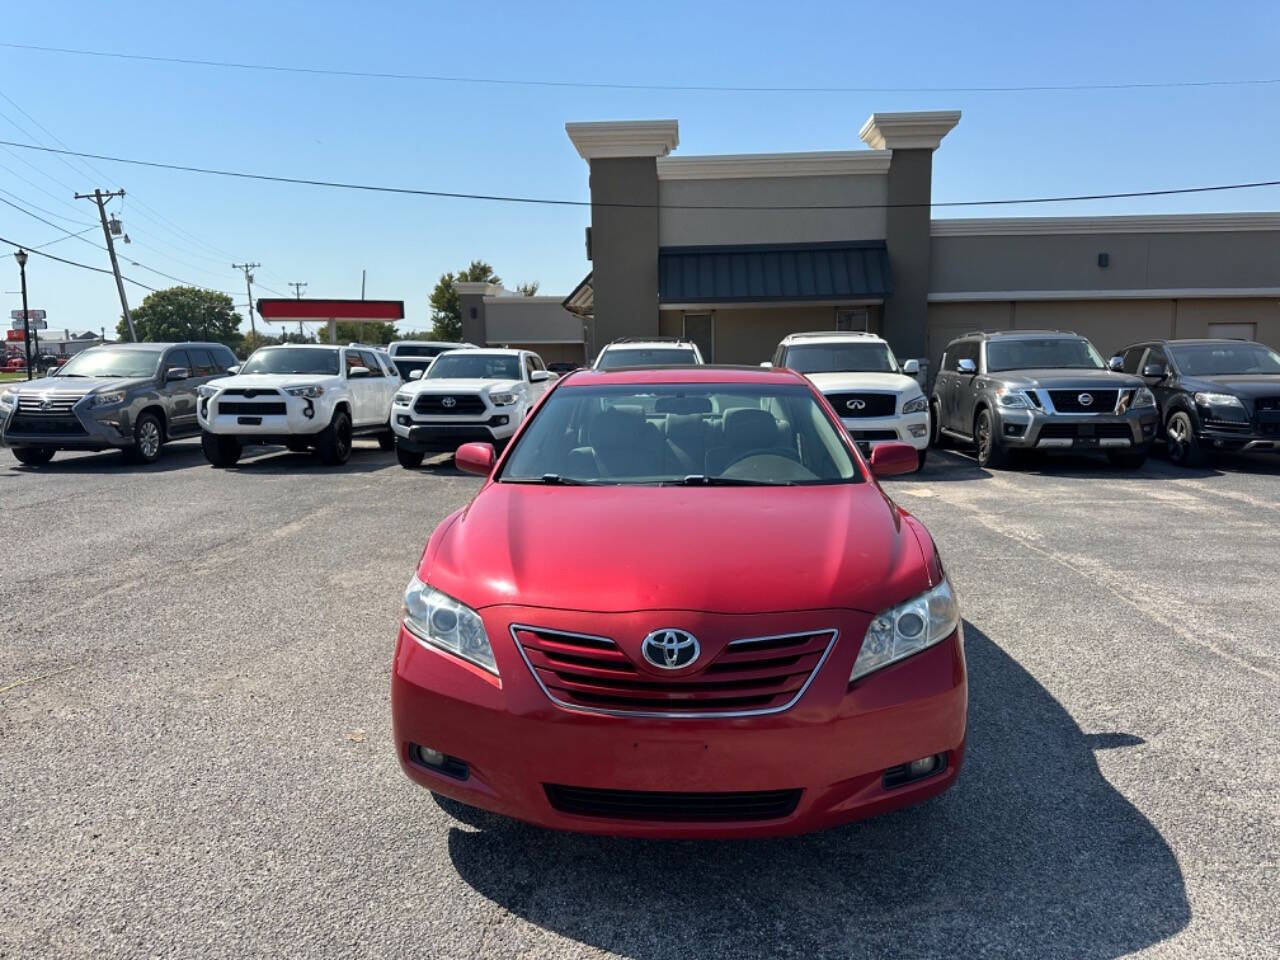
[(384, 311), (15, 335)]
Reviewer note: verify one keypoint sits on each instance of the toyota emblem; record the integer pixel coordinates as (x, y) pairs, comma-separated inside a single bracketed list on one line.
[(1086, 399), (856, 404), (448, 402), (670, 649)]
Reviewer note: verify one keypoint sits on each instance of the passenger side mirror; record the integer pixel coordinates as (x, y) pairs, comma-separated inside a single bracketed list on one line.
[(233, 370), (890, 459), (355, 373), (967, 366), (177, 373), (538, 376), (415, 374), (1116, 363), (1157, 371), (477, 458), (911, 368)]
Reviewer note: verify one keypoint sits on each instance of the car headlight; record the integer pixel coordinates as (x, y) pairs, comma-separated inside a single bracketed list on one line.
[(908, 628), (403, 399), (502, 399), (206, 391), (443, 622), (916, 405), (1218, 400), (108, 399), (9, 398), (1012, 399), (1143, 398), (310, 391)]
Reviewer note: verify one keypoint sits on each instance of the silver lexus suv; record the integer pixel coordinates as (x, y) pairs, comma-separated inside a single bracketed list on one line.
[(133, 396), (1024, 390)]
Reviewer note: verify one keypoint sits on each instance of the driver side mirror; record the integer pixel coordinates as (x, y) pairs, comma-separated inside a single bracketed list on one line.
[(476, 458), (538, 376), (355, 373), (890, 459), (911, 368), (233, 370), (967, 366), (1157, 371), (1116, 363), (177, 373), (415, 374)]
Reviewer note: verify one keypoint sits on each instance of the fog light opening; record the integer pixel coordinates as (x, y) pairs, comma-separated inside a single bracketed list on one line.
[(918, 429), (906, 773), (439, 761), (1014, 429)]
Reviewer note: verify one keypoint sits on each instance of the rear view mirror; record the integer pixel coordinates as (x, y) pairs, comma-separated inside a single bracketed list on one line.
[(890, 459), (1116, 364), (233, 369), (538, 376), (1156, 370), (177, 373), (356, 373), (415, 374), (911, 367), (477, 458), (967, 366)]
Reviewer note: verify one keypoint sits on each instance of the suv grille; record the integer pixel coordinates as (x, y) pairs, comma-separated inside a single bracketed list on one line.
[(59, 404), (437, 405), (757, 675), (1068, 401), (873, 404), (261, 409), (1266, 404), (673, 807), (250, 392)]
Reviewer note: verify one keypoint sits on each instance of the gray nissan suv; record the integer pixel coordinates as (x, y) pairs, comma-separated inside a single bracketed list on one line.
[(1025, 390), (133, 396)]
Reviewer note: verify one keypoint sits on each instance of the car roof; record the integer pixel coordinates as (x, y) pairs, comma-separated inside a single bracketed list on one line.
[(1017, 334), (495, 351), (1198, 340), (637, 344), (431, 343), (310, 346), (834, 335), (157, 346), (707, 373)]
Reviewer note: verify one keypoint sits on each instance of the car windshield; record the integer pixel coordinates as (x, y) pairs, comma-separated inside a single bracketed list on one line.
[(105, 362), (407, 367), (842, 358), (688, 434), (1219, 359), (293, 360), (474, 365), (419, 350), (616, 358), (1043, 353)]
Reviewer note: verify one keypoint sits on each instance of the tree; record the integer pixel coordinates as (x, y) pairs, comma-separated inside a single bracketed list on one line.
[(184, 313), (371, 333), (446, 312), (252, 341), (529, 289)]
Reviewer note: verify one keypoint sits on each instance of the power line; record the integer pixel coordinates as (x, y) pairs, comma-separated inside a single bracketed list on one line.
[(72, 263), (546, 201), (664, 87)]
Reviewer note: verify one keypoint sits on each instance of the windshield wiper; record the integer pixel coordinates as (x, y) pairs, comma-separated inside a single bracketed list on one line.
[(700, 480), (551, 479)]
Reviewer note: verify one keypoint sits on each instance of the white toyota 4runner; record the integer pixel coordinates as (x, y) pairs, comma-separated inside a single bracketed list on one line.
[(465, 396), (876, 398), (305, 396)]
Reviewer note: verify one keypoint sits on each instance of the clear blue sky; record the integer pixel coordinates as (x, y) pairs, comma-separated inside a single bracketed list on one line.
[(511, 140)]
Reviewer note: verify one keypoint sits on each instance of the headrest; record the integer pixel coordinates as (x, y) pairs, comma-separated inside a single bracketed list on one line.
[(748, 429), (616, 427), (683, 405), (686, 426)]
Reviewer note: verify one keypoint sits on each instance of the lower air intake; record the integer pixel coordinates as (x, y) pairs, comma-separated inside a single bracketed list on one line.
[(673, 807)]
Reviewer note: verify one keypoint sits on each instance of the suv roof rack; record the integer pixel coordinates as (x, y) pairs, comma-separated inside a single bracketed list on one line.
[(1013, 333), (650, 340), (833, 333)]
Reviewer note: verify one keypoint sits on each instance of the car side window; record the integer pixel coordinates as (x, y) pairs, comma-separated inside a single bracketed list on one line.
[(1132, 358), (351, 361), (371, 361), (780, 356), (528, 365), (536, 361), (224, 359), (178, 358), (201, 362), (1156, 355)]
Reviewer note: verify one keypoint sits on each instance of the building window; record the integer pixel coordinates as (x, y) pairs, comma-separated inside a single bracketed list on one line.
[(855, 318), (701, 329)]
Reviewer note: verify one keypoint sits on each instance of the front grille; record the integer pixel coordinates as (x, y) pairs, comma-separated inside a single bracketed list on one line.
[(669, 807), (250, 392), (59, 404), (259, 409), (873, 404), (757, 675), (52, 426), (1266, 403), (437, 405), (1068, 401)]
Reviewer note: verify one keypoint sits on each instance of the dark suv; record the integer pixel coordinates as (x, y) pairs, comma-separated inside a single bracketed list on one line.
[(1025, 390), (1213, 394)]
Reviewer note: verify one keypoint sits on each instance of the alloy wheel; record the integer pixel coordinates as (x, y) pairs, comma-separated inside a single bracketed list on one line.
[(984, 439), (149, 438), (1178, 436)]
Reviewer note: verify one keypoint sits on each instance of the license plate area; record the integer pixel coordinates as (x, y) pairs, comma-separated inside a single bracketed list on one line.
[(249, 421), (1086, 438)]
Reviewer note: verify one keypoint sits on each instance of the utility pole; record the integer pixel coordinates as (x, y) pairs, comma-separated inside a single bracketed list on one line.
[(298, 287), (248, 285), (101, 199)]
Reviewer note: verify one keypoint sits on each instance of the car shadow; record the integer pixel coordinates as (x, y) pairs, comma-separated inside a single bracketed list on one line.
[(175, 455), (1033, 853), (946, 464), (366, 457)]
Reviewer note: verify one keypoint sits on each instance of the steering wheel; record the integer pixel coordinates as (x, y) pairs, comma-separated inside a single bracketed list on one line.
[(785, 452)]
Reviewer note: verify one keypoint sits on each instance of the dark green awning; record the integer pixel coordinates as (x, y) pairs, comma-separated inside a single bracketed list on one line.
[(763, 273)]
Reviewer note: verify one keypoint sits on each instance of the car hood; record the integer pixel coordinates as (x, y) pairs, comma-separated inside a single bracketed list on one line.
[(840, 382), (80, 384), (710, 549), (270, 381), (1242, 384), (1068, 379), (472, 385)]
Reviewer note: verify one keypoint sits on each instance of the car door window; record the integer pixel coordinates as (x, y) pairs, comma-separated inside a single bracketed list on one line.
[(178, 358), (201, 362), (369, 360), (352, 360), (1132, 359), (528, 367), (1155, 355)]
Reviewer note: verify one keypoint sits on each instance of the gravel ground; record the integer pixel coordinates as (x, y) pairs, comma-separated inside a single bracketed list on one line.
[(196, 758)]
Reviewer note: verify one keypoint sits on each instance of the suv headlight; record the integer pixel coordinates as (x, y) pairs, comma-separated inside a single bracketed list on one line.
[(443, 622), (310, 391), (108, 399), (916, 405), (402, 399), (9, 397), (908, 628), (502, 399), (1218, 400), (1143, 398), (1013, 399), (206, 391)]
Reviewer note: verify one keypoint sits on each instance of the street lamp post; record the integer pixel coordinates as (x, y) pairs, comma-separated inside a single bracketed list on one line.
[(21, 257)]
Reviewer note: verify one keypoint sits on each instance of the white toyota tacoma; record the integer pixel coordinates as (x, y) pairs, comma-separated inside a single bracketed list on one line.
[(466, 396), (876, 398), (304, 396)]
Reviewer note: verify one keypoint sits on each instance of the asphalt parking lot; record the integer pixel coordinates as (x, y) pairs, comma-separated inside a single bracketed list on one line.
[(196, 756)]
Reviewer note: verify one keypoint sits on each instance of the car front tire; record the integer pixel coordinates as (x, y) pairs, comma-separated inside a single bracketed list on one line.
[(220, 451), (387, 440), (334, 443), (409, 459), (1180, 437), (148, 438), (987, 447), (33, 456)]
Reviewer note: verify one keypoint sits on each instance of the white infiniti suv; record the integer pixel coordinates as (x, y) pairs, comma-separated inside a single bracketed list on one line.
[(875, 397), (466, 396), (305, 396)]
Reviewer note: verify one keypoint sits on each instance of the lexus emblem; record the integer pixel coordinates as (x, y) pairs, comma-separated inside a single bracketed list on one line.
[(1086, 399), (448, 402), (856, 404), (670, 649), (45, 404)]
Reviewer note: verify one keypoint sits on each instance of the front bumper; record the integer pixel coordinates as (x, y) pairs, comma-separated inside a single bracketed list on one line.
[(833, 746), (1038, 430), (81, 428), (303, 416), (868, 432), (423, 435)]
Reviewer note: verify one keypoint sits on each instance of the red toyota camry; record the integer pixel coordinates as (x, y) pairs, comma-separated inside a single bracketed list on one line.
[(681, 606)]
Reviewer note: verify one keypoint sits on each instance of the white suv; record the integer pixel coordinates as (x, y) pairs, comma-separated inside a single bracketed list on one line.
[(876, 398), (301, 395), (412, 356), (651, 352), (465, 396)]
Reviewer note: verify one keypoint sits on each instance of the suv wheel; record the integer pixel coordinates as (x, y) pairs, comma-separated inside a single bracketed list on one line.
[(220, 451), (409, 459), (148, 437), (987, 447), (1180, 435), (334, 443), (386, 440), (34, 456)]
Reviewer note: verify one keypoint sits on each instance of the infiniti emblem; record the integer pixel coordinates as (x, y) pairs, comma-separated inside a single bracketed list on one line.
[(670, 649), (1086, 399), (448, 402), (856, 404)]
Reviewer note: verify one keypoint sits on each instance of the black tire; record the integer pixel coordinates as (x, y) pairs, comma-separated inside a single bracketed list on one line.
[(409, 459), (936, 437), (1127, 459), (1180, 437), (148, 438), (387, 440), (299, 446), (921, 456), (333, 445), (34, 456), (987, 448), (220, 451)]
